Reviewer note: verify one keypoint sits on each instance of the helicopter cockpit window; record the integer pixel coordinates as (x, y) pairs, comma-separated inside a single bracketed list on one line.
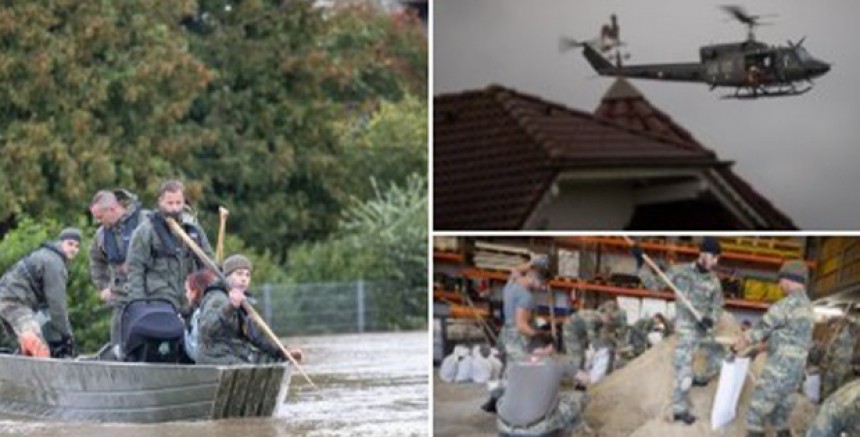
[(802, 54)]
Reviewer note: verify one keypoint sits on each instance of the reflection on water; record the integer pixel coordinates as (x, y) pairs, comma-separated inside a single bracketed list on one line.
[(371, 384)]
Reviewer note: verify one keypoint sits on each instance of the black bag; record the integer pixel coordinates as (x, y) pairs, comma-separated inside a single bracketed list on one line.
[(152, 332)]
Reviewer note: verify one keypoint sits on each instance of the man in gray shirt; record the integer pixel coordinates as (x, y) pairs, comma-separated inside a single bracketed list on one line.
[(531, 404), (519, 306)]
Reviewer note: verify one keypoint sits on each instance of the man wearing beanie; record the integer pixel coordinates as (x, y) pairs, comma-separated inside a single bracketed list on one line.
[(158, 261), (33, 298), (787, 328), (702, 288)]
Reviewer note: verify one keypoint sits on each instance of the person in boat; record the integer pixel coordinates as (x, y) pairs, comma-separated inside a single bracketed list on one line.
[(158, 261), (33, 301), (118, 212), (220, 331)]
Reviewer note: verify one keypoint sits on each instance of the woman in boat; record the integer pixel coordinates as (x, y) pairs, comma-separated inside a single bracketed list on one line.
[(224, 332)]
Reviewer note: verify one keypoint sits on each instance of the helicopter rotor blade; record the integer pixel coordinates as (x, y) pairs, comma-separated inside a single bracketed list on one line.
[(800, 43)]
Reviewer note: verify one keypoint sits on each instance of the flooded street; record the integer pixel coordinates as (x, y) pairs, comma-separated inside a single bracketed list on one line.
[(371, 384)]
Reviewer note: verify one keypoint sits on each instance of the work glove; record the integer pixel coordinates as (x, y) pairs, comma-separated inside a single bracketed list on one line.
[(639, 255), (706, 324), (64, 348), (33, 346)]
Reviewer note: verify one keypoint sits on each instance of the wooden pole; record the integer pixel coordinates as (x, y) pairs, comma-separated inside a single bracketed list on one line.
[(222, 229), (253, 313), (665, 279)]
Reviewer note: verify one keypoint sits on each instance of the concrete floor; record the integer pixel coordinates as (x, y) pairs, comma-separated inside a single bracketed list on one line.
[(457, 412)]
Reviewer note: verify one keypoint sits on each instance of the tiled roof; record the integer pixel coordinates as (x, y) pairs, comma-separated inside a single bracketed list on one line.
[(495, 152), (624, 104)]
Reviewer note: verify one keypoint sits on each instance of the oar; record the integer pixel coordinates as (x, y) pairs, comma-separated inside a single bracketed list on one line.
[(253, 313)]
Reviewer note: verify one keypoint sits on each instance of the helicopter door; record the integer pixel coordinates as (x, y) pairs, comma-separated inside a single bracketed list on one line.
[(758, 67)]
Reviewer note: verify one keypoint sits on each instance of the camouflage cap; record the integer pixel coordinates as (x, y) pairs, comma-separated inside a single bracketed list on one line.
[(794, 270)]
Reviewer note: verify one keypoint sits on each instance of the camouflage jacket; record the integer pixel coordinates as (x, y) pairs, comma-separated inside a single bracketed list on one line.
[(840, 414), (587, 328), (111, 270), (158, 268), (703, 290), (787, 327), (38, 281), (841, 352)]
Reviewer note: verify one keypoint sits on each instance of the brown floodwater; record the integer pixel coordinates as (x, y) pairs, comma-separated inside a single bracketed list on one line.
[(371, 384)]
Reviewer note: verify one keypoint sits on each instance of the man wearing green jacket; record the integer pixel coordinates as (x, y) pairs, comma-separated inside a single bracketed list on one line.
[(33, 301), (158, 261)]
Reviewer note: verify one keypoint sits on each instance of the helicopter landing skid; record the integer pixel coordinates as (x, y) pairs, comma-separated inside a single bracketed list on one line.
[(751, 93)]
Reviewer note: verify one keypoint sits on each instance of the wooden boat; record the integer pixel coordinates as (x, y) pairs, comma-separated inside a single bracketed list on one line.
[(110, 391)]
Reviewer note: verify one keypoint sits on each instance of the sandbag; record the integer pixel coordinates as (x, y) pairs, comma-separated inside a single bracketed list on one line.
[(482, 370), (448, 369), (812, 387), (599, 365), (464, 370), (732, 376), (495, 363)]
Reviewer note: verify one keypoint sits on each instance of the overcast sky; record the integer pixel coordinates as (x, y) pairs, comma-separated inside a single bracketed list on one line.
[(802, 153)]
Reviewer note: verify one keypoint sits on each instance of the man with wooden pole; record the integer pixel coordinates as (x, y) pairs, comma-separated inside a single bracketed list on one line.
[(700, 294)]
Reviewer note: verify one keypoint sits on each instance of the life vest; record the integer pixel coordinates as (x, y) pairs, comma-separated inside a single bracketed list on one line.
[(117, 251), (169, 247)]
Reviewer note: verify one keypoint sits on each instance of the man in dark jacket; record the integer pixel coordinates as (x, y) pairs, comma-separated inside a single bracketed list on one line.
[(158, 261), (33, 301), (119, 212)]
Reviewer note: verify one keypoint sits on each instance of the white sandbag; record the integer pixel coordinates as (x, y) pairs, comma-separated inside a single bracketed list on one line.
[(732, 376), (655, 337), (464, 370), (482, 370), (448, 369), (599, 365), (812, 387)]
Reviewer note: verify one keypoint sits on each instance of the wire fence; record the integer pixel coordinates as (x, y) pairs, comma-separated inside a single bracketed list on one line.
[(342, 307)]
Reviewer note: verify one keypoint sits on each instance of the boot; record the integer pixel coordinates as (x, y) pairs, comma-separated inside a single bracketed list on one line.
[(685, 417), (490, 405), (783, 433)]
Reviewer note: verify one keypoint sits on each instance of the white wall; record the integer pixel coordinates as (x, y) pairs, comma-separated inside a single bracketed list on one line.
[(587, 206)]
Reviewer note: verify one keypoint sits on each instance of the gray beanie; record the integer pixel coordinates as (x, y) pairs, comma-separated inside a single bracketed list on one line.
[(235, 262), (70, 234)]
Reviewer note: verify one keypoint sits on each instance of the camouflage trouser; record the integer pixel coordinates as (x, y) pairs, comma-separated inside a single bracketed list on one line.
[(834, 378), (773, 397), (514, 344), (20, 317), (577, 357), (566, 415), (839, 416), (682, 362)]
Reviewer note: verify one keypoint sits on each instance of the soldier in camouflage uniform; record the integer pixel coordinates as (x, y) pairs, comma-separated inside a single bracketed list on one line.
[(531, 404), (33, 301), (837, 365), (604, 328), (158, 261), (119, 213), (519, 305), (787, 327), (840, 414), (639, 332), (702, 288)]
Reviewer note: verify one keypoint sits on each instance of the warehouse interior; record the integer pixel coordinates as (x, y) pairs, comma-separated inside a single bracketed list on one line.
[(586, 271)]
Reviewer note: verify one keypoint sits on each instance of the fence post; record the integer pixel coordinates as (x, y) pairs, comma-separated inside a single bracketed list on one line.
[(267, 304), (359, 296)]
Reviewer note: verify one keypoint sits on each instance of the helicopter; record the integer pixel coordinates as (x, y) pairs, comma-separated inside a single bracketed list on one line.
[(753, 68)]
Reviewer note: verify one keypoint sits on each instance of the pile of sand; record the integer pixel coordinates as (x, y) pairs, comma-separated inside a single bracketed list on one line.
[(636, 399)]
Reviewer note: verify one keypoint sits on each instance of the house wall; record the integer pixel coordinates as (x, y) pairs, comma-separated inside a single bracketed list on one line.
[(586, 206)]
